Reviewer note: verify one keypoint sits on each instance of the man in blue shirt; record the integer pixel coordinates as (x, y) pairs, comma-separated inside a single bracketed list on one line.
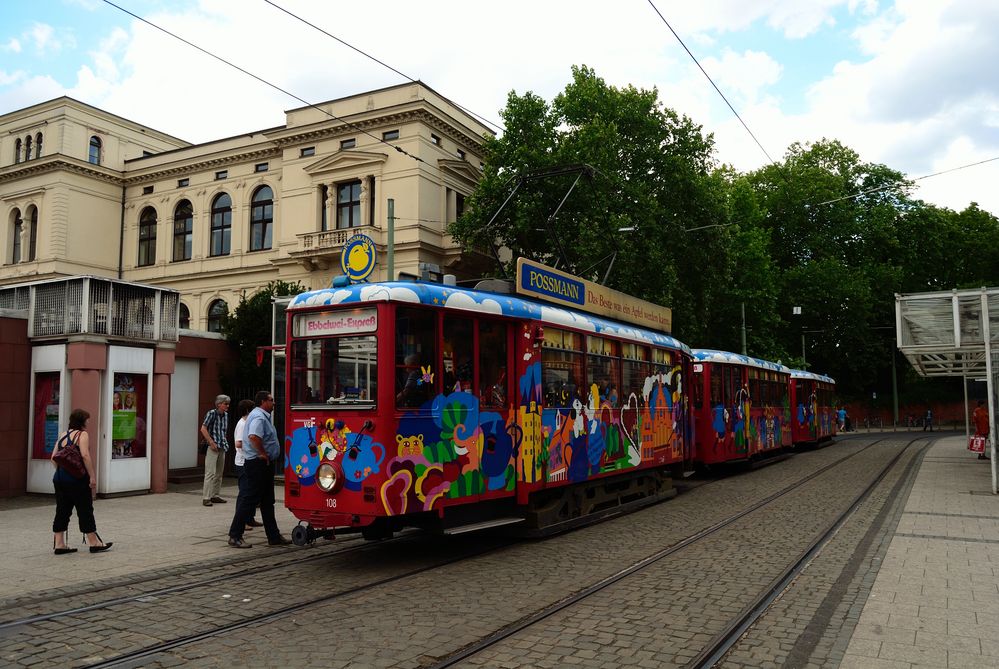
[(262, 449)]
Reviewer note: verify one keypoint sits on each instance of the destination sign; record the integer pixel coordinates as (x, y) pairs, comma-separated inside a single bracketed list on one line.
[(551, 285), (336, 323)]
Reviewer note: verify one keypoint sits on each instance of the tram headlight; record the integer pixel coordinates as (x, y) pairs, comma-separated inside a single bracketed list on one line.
[(328, 477)]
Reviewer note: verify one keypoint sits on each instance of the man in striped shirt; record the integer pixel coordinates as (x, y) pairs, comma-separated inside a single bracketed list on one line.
[(214, 430)]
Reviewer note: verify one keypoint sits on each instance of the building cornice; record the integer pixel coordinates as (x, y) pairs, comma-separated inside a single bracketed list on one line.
[(149, 175), (59, 163)]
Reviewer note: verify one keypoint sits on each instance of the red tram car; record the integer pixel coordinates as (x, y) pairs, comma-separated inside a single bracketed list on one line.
[(740, 405), (419, 404), (814, 413)]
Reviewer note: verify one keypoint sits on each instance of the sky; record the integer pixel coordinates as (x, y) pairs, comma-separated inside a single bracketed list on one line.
[(912, 84)]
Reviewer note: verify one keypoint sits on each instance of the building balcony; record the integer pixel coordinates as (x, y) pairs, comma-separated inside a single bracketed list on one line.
[(321, 250)]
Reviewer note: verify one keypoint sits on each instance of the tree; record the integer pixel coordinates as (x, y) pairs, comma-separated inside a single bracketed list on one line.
[(251, 325), (651, 173)]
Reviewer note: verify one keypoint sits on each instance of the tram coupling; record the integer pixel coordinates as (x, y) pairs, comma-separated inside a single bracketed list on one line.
[(305, 534)]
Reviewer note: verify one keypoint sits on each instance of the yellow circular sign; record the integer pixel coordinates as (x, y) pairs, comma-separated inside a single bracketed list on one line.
[(357, 260)]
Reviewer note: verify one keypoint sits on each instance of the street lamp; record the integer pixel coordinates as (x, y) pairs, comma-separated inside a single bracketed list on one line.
[(796, 311), (629, 228)]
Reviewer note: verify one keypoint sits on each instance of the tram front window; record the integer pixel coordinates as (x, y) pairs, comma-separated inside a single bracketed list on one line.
[(334, 371)]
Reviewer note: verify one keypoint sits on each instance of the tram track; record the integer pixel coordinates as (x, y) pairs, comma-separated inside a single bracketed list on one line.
[(149, 651), (722, 642)]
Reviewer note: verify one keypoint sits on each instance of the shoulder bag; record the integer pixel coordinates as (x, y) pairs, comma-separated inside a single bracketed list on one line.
[(68, 456)]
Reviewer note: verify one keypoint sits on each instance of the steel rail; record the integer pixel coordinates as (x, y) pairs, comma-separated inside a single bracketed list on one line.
[(535, 618)]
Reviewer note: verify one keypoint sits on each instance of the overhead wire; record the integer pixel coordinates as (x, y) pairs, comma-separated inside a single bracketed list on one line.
[(896, 185), (369, 56), (712, 82), (264, 81)]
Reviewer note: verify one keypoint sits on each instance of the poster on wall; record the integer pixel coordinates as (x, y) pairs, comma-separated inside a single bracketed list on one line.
[(128, 416), (46, 415)]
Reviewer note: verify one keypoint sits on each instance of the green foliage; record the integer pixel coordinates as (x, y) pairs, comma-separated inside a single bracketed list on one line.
[(248, 326), (822, 230)]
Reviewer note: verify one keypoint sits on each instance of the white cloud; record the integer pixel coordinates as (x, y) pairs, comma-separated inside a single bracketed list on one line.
[(13, 45), (46, 41), (465, 301)]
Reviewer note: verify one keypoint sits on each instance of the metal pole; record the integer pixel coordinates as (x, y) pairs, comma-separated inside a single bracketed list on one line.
[(390, 263), (967, 422), (990, 386), (894, 387), (803, 362), (744, 329)]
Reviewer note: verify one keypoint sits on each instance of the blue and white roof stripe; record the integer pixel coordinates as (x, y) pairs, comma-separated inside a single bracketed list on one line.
[(802, 374), (711, 355), (477, 301)]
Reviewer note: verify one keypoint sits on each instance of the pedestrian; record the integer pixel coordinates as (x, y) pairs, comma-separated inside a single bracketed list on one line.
[(72, 491), (981, 420), (841, 418), (928, 420), (261, 450), (214, 430), (243, 409)]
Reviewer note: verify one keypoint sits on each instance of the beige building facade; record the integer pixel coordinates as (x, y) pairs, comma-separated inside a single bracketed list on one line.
[(84, 192)]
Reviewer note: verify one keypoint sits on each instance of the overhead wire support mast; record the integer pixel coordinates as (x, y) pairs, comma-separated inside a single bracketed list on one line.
[(263, 81)]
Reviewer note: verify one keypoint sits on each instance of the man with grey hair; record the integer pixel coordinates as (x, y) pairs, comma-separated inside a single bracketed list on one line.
[(214, 431)]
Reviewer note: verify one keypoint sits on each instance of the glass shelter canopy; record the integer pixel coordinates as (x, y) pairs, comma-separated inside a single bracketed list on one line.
[(946, 333)]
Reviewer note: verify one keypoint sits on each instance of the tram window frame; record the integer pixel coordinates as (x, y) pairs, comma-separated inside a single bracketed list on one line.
[(458, 357), (492, 379), (603, 364), (323, 384), (563, 368), (418, 352), (636, 367), (717, 385)]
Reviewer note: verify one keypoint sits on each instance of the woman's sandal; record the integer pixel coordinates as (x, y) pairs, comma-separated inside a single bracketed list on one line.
[(103, 547), (63, 550)]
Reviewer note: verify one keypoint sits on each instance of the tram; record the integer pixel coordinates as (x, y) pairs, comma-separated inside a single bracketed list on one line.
[(741, 407), (416, 404), (814, 414)]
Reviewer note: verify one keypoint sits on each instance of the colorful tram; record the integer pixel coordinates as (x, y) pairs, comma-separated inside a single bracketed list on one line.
[(426, 405), (741, 407), (814, 412)]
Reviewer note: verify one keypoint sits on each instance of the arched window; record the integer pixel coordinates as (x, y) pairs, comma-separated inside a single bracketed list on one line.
[(185, 317), (261, 219), (38, 145), (27, 148), (147, 237), (32, 231), (183, 230), (17, 150), (16, 230), (217, 312), (95, 150), (221, 225)]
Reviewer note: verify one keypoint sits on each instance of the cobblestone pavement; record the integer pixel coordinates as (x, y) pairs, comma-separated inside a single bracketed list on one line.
[(659, 617)]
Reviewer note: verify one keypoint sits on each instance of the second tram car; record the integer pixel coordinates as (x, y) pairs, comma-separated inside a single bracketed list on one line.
[(420, 404), (740, 405), (814, 418)]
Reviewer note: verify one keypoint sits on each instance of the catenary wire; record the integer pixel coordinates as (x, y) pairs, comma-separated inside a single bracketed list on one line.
[(896, 185), (263, 81), (369, 56), (704, 72)]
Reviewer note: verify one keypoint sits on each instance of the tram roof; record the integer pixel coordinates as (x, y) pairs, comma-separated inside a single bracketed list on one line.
[(711, 355), (478, 301), (802, 374)]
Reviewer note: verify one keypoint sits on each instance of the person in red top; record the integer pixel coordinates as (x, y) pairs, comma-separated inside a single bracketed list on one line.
[(981, 419)]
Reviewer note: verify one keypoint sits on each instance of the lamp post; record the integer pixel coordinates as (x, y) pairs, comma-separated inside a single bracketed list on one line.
[(796, 311)]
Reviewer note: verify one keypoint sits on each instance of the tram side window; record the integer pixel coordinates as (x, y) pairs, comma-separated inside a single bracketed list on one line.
[(334, 370), (562, 368), (603, 370), (635, 368), (493, 379), (458, 354), (697, 390), (716, 385), (415, 334)]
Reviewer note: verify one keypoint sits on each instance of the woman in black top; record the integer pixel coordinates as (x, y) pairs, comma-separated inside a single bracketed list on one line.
[(76, 492)]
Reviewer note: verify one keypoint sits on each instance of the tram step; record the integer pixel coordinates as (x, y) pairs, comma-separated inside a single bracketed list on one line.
[(688, 474), (473, 527)]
